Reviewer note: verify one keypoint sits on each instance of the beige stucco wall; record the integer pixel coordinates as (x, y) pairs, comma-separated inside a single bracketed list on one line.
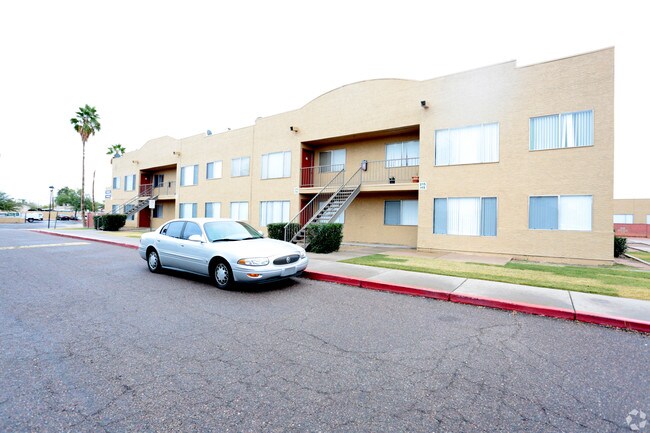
[(638, 207), (510, 96), (360, 117)]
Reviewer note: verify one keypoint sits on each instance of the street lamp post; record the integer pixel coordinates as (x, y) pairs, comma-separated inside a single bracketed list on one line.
[(49, 212)]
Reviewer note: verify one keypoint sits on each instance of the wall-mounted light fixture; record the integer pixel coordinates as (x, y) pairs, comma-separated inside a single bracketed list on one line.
[(176, 153), (423, 104), (135, 161), (293, 129)]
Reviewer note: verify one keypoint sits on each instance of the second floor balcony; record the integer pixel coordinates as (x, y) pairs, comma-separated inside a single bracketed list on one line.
[(390, 174)]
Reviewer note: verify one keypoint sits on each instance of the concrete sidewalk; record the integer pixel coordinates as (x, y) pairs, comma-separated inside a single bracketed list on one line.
[(604, 310)]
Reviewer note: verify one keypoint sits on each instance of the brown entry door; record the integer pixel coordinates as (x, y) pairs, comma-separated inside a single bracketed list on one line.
[(307, 169)]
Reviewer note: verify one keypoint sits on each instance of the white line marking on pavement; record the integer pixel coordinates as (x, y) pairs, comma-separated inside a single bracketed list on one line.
[(67, 244)]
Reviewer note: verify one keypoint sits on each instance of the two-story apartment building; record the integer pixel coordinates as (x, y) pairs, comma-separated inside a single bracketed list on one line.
[(502, 159)]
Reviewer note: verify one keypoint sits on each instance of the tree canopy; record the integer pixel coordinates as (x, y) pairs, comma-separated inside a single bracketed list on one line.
[(116, 150), (7, 203)]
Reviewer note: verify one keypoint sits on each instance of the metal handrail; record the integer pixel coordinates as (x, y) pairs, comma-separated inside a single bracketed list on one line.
[(327, 191), (319, 175)]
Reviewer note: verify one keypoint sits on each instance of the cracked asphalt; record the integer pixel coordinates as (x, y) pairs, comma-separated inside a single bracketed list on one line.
[(91, 341)]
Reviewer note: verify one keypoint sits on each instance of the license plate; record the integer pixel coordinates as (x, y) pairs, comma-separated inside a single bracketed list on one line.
[(288, 271)]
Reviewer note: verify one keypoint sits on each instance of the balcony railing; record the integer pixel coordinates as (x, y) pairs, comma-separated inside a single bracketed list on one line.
[(391, 171), (319, 176), (165, 188)]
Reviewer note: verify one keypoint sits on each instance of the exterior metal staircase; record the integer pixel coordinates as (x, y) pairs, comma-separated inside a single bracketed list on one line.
[(137, 203), (335, 200)]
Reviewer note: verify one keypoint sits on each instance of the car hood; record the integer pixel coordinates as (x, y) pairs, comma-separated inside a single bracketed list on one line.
[(262, 247)]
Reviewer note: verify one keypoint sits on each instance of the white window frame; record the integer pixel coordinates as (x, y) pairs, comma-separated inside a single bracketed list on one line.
[(335, 164), (274, 212), (129, 182), (183, 207), (238, 209), (236, 166), (563, 138), (403, 210), (623, 219), (398, 155), (217, 170), (212, 205), (470, 144), (276, 165), (192, 170), (563, 221)]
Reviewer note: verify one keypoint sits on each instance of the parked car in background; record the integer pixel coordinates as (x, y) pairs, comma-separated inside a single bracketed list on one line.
[(226, 250)]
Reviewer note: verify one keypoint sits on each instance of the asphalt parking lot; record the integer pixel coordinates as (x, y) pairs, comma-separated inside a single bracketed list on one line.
[(91, 341)]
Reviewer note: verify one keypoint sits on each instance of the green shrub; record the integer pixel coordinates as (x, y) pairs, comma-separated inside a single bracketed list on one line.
[(620, 246), (276, 230), (324, 238), (110, 222)]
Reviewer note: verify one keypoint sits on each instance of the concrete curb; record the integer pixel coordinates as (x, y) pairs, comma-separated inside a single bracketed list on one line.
[(559, 313), (103, 241)]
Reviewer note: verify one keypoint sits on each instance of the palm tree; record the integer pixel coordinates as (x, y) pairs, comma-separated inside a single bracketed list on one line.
[(116, 150), (86, 123)]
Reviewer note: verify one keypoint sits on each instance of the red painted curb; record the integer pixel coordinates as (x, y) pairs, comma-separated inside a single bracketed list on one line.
[(332, 278), (617, 322), (558, 313), (104, 241), (405, 290)]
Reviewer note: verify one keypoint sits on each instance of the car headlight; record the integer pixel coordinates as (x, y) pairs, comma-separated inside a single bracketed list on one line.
[(254, 261), (303, 254)]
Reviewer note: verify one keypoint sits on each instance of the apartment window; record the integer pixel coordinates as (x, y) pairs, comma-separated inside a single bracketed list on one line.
[(274, 212), (623, 219), (239, 210), (129, 182), (213, 170), (564, 212), (189, 175), (158, 211), (114, 208), (465, 216), (467, 145), (276, 165), (562, 130), (240, 166), (116, 183), (127, 208), (340, 219), (213, 210), (401, 213), (331, 160), (187, 210), (647, 219), (403, 154), (158, 180)]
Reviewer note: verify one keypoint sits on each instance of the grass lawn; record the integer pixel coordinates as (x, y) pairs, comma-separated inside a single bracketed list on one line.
[(614, 280), (639, 254)]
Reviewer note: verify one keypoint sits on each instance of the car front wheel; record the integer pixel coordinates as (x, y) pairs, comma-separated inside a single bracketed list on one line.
[(153, 261), (222, 275)]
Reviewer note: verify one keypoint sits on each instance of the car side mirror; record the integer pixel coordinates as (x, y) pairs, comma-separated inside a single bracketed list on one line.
[(195, 238)]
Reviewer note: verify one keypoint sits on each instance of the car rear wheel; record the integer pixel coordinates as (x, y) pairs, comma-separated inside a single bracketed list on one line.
[(153, 261), (222, 275)]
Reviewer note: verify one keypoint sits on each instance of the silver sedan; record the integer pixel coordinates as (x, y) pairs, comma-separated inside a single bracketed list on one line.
[(227, 251)]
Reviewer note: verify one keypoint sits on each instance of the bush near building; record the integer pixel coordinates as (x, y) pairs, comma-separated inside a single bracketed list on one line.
[(324, 238), (110, 222), (276, 230)]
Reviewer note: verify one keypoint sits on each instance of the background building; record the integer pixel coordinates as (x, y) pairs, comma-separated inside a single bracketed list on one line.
[(500, 159)]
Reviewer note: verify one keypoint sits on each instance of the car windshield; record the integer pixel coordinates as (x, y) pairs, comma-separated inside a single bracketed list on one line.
[(230, 231)]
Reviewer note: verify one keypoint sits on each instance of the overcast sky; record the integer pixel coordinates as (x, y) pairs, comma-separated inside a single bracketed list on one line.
[(155, 68)]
